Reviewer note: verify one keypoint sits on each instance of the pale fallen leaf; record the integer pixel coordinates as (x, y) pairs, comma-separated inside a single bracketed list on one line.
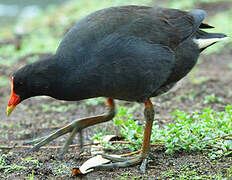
[(92, 162), (109, 138), (96, 160)]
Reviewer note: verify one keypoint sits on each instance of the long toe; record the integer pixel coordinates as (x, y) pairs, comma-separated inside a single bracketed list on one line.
[(144, 165), (74, 127), (68, 142), (114, 158), (45, 140), (127, 163), (34, 141)]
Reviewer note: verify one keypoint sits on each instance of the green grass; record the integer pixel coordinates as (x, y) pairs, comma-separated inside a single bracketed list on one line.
[(212, 98), (43, 33), (33, 161), (193, 131)]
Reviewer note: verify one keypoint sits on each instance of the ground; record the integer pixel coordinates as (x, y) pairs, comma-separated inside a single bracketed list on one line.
[(40, 116)]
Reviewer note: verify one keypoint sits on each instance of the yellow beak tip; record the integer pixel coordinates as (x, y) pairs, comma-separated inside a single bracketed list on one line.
[(10, 109)]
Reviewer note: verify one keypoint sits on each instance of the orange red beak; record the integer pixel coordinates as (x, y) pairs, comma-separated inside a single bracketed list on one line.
[(14, 99)]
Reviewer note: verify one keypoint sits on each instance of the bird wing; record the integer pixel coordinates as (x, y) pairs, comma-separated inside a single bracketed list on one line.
[(180, 24), (169, 27), (198, 16), (126, 67), (164, 26)]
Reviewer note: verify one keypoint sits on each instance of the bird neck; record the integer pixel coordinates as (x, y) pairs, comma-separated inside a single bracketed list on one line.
[(43, 75)]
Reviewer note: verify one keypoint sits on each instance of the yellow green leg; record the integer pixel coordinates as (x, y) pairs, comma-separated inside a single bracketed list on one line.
[(73, 128)]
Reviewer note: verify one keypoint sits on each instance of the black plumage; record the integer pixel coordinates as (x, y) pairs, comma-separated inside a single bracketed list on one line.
[(121, 52)]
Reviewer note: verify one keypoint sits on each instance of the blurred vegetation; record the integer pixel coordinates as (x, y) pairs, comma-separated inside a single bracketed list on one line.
[(43, 33)]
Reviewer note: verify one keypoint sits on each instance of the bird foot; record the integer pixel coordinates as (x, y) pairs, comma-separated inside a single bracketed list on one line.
[(39, 142), (73, 128), (120, 162)]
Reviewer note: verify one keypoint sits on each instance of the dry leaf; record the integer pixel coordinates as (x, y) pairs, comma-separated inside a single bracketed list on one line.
[(96, 160), (92, 162)]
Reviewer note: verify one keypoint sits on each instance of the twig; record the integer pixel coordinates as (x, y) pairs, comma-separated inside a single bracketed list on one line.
[(218, 137), (98, 143), (28, 147), (216, 147), (131, 153), (71, 146)]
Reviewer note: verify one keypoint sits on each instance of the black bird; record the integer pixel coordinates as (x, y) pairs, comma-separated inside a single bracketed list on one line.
[(129, 53)]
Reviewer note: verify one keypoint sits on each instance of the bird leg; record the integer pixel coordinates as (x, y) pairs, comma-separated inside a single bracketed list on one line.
[(73, 128), (143, 156)]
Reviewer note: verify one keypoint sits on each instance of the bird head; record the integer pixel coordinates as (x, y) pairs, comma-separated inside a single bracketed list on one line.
[(20, 87), (29, 81)]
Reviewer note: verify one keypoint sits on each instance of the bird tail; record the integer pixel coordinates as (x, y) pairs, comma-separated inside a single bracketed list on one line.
[(204, 39)]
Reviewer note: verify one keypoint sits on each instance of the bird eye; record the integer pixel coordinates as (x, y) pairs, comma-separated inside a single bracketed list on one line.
[(19, 84)]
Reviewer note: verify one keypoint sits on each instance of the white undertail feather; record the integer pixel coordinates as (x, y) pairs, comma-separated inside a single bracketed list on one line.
[(202, 43)]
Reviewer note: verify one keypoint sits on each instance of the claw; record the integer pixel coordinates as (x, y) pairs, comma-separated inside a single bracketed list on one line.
[(68, 142), (114, 158), (143, 165), (51, 137)]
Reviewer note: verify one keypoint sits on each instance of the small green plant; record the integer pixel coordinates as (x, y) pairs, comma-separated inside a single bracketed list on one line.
[(168, 174), (129, 175), (190, 131), (30, 176), (98, 136), (229, 173), (212, 98), (9, 168), (62, 169), (33, 161), (130, 129), (196, 131)]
